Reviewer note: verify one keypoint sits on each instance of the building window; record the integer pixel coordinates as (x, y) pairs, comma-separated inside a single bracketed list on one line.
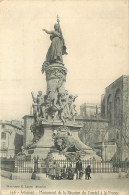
[(118, 108), (3, 145), (109, 109), (3, 135), (4, 155)]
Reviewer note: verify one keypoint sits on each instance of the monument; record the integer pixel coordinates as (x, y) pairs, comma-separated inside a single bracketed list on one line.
[(55, 129)]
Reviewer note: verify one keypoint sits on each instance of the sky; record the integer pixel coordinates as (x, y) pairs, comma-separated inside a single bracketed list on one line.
[(96, 36)]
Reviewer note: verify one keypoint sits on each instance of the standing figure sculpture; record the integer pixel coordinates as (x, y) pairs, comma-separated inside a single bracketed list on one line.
[(57, 47)]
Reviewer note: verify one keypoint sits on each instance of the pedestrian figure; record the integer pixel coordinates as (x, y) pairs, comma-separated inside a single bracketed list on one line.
[(52, 170), (87, 172), (64, 172), (79, 169), (70, 172), (58, 172)]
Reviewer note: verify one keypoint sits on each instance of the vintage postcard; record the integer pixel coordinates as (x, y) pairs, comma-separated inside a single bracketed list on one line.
[(64, 97)]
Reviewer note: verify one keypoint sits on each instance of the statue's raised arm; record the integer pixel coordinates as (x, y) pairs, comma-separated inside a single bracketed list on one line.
[(57, 47), (48, 32)]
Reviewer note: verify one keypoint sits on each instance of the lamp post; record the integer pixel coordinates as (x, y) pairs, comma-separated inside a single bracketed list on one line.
[(105, 153), (102, 151)]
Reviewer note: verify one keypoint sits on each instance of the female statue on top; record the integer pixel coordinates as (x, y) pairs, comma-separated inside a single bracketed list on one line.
[(57, 47)]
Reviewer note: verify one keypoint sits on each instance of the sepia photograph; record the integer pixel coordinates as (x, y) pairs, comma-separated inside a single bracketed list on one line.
[(64, 97)]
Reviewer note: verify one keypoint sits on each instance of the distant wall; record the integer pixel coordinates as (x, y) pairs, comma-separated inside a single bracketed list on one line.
[(92, 131)]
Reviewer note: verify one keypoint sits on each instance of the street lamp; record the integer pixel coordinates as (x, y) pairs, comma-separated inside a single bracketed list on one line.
[(105, 152)]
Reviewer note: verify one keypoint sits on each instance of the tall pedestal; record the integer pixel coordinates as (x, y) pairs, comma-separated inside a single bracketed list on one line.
[(54, 117)]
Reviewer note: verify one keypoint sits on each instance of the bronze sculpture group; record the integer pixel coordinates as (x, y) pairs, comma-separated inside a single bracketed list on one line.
[(62, 108), (56, 109), (57, 103)]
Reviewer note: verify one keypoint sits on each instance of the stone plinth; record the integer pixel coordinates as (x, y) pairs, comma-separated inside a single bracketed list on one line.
[(46, 142), (48, 129)]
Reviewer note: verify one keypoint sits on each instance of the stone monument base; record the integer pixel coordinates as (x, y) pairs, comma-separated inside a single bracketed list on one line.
[(46, 145)]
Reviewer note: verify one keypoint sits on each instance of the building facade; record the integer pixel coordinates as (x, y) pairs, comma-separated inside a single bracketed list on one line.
[(11, 136), (106, 149), (115, 108), (89, 110)]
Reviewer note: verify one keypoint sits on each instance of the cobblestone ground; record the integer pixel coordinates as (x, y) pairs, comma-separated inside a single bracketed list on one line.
[(98, 185)]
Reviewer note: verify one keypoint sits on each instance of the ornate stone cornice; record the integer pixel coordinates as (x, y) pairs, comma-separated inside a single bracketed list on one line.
[(55, 71)]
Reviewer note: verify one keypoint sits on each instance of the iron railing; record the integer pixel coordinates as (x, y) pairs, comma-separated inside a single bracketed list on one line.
[(41, 166)]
